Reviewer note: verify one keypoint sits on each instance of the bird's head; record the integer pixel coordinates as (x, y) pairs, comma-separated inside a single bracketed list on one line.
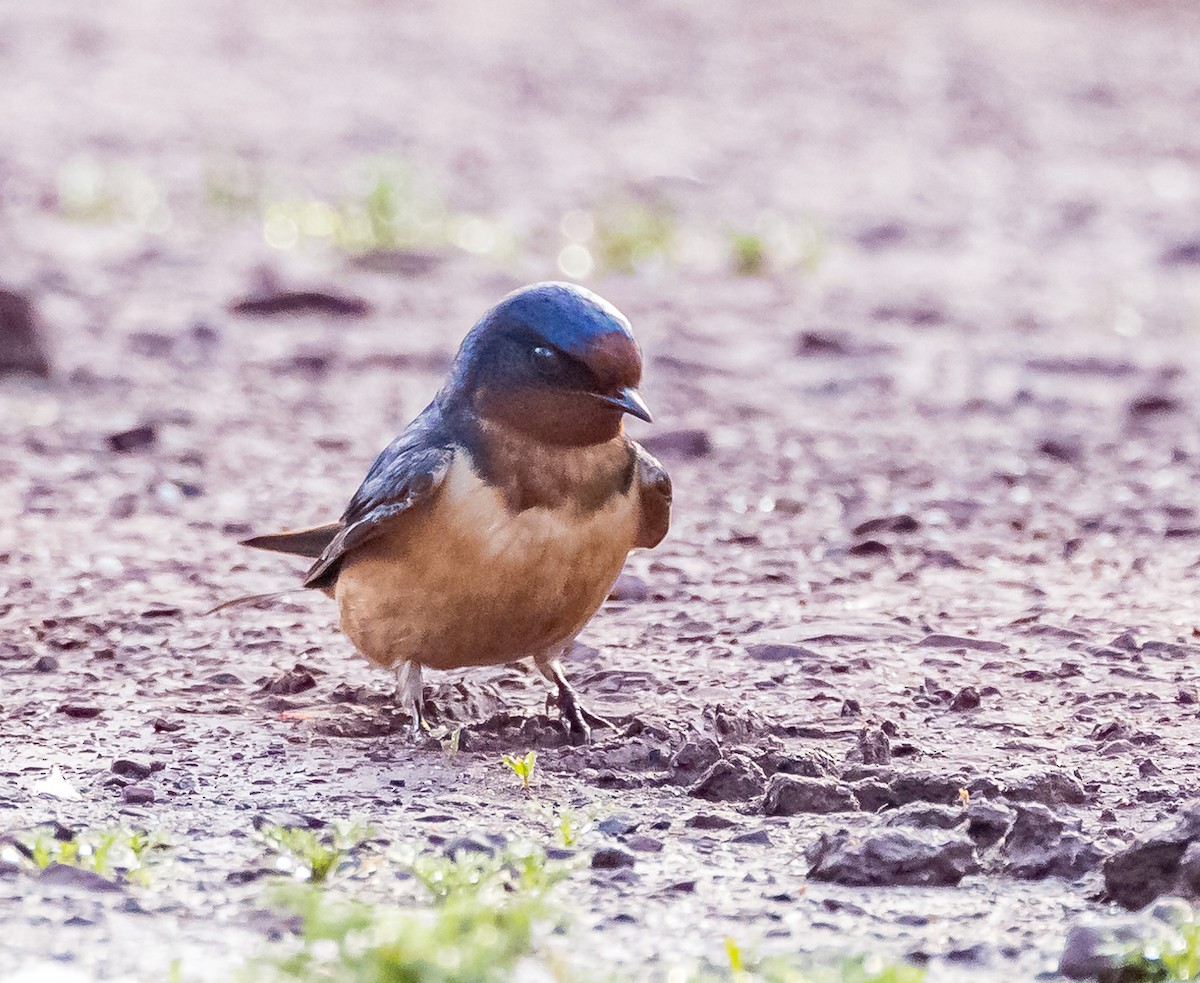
[(553, 361)]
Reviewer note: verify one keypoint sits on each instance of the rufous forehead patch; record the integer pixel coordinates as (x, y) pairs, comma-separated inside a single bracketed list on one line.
[(615, 360)]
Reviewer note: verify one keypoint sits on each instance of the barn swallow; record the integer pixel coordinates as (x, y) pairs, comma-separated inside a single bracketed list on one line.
[(495, 525)]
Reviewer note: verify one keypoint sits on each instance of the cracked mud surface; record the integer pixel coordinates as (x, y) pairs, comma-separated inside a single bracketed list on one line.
[(936, 524)]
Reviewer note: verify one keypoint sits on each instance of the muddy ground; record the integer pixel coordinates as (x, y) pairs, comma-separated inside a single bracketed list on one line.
[(935, 463)]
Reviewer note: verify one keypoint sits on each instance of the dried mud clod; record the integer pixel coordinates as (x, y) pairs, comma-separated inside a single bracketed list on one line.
[(22, 349)]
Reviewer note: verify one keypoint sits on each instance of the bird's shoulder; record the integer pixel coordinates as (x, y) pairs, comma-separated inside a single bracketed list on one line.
[(654, 491), (405, 475)]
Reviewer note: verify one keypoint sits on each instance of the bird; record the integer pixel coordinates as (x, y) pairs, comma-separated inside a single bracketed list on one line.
[(495, 525)]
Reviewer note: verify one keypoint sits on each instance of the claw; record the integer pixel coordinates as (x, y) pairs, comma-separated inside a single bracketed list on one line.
[(576, 716)]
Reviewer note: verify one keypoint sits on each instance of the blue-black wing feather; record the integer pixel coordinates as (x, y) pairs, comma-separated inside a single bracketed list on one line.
[(404, 476)]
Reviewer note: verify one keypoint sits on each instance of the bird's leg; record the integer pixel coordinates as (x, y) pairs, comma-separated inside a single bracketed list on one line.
[(410, 691), (577, 716)]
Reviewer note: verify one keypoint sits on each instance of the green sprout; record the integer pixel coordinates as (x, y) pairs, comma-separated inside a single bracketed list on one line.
[(740, 968), (107, 852), (313, 856), (484, 914), (749, 253), (390, 210), (634, 235), (571, 826), (1168, 955), (522, 767)]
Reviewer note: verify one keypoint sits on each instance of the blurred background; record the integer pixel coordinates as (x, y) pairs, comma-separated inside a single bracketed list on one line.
[(368, 177), (919, 287)]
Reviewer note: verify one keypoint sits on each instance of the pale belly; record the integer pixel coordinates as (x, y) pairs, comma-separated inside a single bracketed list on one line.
[(466, 582)]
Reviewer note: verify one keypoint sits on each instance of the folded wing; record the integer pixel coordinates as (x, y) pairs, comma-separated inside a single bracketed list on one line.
[(404, 476), (654, 489)]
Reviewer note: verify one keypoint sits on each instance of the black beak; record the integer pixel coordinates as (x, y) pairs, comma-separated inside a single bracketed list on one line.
[(629, 400)]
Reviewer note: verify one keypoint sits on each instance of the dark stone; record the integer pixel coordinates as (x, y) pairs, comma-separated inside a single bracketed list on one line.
[(888, 523), (299, 302), (1041, 844), (249, 875), (21, 348), (941, 641), (925, 786), (1150, 866), (78, 712), (293, 820), (1185, 253), (966, 698), (1091, 950), (137, 795), (792, 795), (612, 858), (618, 825), (780, 651), (290, 683), (452, 848), (872, 795), (695, 756), (1082, 365), (868, 547), (135, 439), (758, 837), (128, 768), (732, 779), (810, 763), (838, 343), (1093, 947), (689, 443), (1067, 449), (163, 726), (892, 856), (644, 844), (925, 815), (1188, 879), (1049, 786), (988, 822), (1154, 404), (872, 746), (629, 588), (64, 875), (706, 820), (46, 663)]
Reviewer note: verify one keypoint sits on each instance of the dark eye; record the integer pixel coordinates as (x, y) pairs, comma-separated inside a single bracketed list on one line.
[(544, 358)]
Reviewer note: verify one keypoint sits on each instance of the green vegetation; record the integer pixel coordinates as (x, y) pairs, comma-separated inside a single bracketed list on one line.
[(1168, 956), (775, 245), (388, 209), (487, 915), (522, 767), (749, 253), (629, 236), (784, 969), (570, 826), (393, 219), (90, 191), (111, 853), (313, 856)]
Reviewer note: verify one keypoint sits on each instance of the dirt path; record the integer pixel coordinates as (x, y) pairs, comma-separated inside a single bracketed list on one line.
[(935, 462)]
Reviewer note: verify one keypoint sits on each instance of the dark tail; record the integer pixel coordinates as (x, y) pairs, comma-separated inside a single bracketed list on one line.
[(299, 542), (254, 599)]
